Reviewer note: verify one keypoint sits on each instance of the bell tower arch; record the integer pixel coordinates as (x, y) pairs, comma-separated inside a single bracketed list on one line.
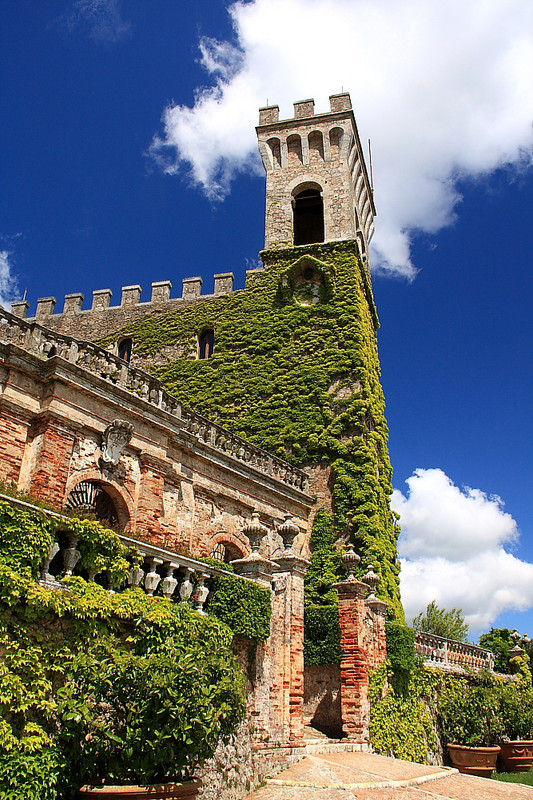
[(318, 188)]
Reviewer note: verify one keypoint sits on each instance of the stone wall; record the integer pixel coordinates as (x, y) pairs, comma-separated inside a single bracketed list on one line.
[(322, 699)]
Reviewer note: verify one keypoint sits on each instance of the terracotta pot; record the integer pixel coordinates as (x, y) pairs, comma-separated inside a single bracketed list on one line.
[(159, 791), (517, 755), (479, 761)]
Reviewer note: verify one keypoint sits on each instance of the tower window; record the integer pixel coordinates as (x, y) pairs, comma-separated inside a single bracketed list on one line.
[(308, 209), (206, 343), (125, 347)]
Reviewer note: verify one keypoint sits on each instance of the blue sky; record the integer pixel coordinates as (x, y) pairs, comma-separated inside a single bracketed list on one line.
[(128, 157)]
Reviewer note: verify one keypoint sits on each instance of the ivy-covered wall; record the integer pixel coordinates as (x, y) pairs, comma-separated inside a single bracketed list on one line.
[(300, 380)]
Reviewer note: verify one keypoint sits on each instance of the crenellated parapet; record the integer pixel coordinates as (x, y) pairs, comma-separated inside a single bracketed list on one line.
[(132, 303)]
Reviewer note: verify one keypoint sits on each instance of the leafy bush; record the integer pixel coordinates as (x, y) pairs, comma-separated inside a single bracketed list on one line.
[(470, 714), (244, 606), (32, 776), (322, 643), (441, 622), (400, 654), (516, 705)]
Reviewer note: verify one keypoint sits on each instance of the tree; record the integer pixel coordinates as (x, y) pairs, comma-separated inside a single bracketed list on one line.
[(448, 624), (500, 642)]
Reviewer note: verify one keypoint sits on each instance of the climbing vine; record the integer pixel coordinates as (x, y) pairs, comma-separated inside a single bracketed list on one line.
[(301, 381)]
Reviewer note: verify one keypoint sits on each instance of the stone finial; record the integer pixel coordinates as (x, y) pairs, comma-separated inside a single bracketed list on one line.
[(255, 532), (224, 282), (288, 531), (351, 559), (304, 108), (45, 306), (73, 303), (20, 308), (515, 636), (101, 299), (161, 291), (516, 651), (131, 295), (268, 115), (340, 102), (371, 579), (192, 287)]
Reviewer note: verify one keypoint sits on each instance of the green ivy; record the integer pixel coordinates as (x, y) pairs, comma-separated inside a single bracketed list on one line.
[(401, 655), (244, 606), (322, 643), (302, 382)]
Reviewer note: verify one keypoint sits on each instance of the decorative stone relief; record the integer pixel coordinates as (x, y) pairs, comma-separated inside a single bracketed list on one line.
[(115, 439)]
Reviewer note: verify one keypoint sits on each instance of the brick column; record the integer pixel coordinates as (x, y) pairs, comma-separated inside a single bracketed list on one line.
[(355, 709), (52, 445), (378, 643), (259, 664), (287, 690)]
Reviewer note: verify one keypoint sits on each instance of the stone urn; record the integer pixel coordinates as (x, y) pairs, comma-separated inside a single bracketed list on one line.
[(159, 791), (517, 755), (480, 761)]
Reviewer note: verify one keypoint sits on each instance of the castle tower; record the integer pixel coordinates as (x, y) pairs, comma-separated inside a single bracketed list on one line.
[(318, 189)]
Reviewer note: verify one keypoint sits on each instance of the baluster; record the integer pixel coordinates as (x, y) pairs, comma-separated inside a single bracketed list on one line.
[(52, 553), (202, 592), (135, 578), (152, 579), (71, 556), (186, 586), (169, 582)]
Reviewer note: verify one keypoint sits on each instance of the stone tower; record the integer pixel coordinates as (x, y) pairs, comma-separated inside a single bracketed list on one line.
[(318, 189)]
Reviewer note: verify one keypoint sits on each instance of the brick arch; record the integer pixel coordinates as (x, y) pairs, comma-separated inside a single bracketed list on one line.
[(238, 543), (120, 497)]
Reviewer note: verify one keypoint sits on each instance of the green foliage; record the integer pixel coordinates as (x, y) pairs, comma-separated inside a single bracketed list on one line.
[(32, 776), (120, 686), (322, 643), (401, 655), (440, 622), (326, 567), (469, 713), (499, 642), (403, 725), (516, 706), (301, 381), (244, 606)]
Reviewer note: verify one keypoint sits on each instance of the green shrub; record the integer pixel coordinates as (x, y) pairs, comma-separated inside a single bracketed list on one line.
[(244, 606), (32, 776), (470, 714), (516, 705), (322, 643), (400, 654)]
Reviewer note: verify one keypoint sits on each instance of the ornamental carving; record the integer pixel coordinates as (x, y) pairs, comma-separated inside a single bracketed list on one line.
[(115, 439)]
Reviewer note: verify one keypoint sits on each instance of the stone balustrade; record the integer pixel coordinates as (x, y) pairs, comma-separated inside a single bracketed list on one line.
[(169, 574), (44, 343), (448, 654)]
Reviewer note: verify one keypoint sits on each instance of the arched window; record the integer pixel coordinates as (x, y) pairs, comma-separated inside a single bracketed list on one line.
[(275, 149), (308, 217), (226, 552), (294, 150), (206, 343), (316, 146), (125, 347), (91, 498)]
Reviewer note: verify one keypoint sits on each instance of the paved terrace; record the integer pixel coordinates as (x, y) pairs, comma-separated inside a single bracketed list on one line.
[(364, 776)]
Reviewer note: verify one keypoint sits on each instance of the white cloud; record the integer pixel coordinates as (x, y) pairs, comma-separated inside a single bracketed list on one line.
[(8, 282), (452, 548), (443, 90), (102, 18)]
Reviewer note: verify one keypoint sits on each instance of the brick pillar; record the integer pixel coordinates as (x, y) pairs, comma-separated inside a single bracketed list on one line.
[(378, 641), (290, 636), (355, 709), (260, 570), (13, 435), (150, 502), (52, 448)]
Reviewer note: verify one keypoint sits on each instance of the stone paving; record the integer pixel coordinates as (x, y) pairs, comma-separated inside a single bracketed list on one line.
[(364, 776)]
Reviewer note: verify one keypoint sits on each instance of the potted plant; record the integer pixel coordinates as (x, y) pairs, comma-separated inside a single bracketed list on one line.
[(516, 703), (471, 726), (138, 715)]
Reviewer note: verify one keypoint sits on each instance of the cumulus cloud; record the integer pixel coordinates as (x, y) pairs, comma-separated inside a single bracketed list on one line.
[(8, 282), (453, 550), (102, 18), (443, 90)]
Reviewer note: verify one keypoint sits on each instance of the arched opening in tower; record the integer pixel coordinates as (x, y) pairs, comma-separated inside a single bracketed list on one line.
[(308, 222)]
